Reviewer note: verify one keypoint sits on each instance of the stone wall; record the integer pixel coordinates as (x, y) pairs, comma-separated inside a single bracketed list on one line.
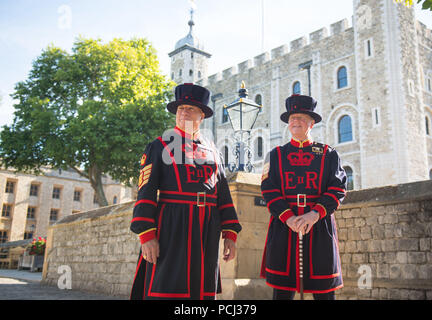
[(387, 231), (98, 247), (384, 236)]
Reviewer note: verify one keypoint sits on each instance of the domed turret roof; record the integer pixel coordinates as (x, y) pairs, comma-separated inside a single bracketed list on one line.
[(190, 38)]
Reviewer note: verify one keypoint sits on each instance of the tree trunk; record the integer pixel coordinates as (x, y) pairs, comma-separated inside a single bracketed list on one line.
[(95, 177)]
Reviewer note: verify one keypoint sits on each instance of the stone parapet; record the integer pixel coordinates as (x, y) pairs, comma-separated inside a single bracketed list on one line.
[(385, 237), (384, 240)]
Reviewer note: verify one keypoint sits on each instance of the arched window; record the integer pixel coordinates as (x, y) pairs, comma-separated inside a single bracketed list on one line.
[(180, 72), (226, 156), (345, 129), (258, 100), (427, 124), (350, 178), (296, 88), (259, 147), (190, 72), (224, 115), (342, 77), (115, 200), (199, 74)]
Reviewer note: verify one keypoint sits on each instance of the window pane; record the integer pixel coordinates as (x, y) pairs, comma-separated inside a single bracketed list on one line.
[(77, 195), (345, 129), (260, 147), (342, 77), (56, 193), (53, 215), (6, 210), (10, 186), (350, 178), (296, 88), (224, 115), (226, 156), (34, 189)]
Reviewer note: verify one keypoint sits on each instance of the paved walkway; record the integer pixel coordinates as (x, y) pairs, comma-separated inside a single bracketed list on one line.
[(25, 285)]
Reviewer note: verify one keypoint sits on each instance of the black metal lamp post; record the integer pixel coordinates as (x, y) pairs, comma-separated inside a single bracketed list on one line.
[(242, 113)]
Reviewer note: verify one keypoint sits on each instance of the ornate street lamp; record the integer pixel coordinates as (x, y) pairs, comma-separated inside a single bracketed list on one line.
[(242, 113)]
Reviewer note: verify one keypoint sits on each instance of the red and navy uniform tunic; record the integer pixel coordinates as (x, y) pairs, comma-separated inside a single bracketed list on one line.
[(297, 178), (185, 203)]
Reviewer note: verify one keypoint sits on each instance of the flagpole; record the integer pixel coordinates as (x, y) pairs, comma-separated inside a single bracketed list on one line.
[(262, 26)]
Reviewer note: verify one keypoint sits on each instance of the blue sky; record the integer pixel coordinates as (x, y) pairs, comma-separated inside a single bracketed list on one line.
[(231, 30)]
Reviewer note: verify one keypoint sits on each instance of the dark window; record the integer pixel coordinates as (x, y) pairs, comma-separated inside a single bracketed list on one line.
[(28, 235), (260, 147), (342, 77), (56, 193), (34, 190), (350, 178), (427, 125), (258, 101), (296, 88), (10, 187), (6, 210), (224, 115), (54, 214), (226, 155), (31, 213), (3, 236), (77, 195), (369, 49), (115, 200), (345, 129), (376, 117)]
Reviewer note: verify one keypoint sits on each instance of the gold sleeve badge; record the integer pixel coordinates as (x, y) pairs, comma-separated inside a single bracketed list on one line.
[(144, 175), (143, 159)]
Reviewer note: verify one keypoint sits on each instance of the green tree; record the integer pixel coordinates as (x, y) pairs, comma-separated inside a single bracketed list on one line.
[(426, 4), (93, 110)]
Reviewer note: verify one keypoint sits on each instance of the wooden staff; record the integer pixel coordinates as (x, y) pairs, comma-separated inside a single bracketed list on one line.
[(301, 264)]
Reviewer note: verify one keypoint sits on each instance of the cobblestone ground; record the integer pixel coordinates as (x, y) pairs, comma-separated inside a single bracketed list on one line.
[(16, 289)]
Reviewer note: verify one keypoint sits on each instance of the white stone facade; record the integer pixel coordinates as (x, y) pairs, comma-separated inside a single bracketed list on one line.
[(387, 93)]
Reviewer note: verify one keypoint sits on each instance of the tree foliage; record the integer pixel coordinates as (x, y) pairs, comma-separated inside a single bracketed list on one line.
[(93, 110), (426, 4)]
